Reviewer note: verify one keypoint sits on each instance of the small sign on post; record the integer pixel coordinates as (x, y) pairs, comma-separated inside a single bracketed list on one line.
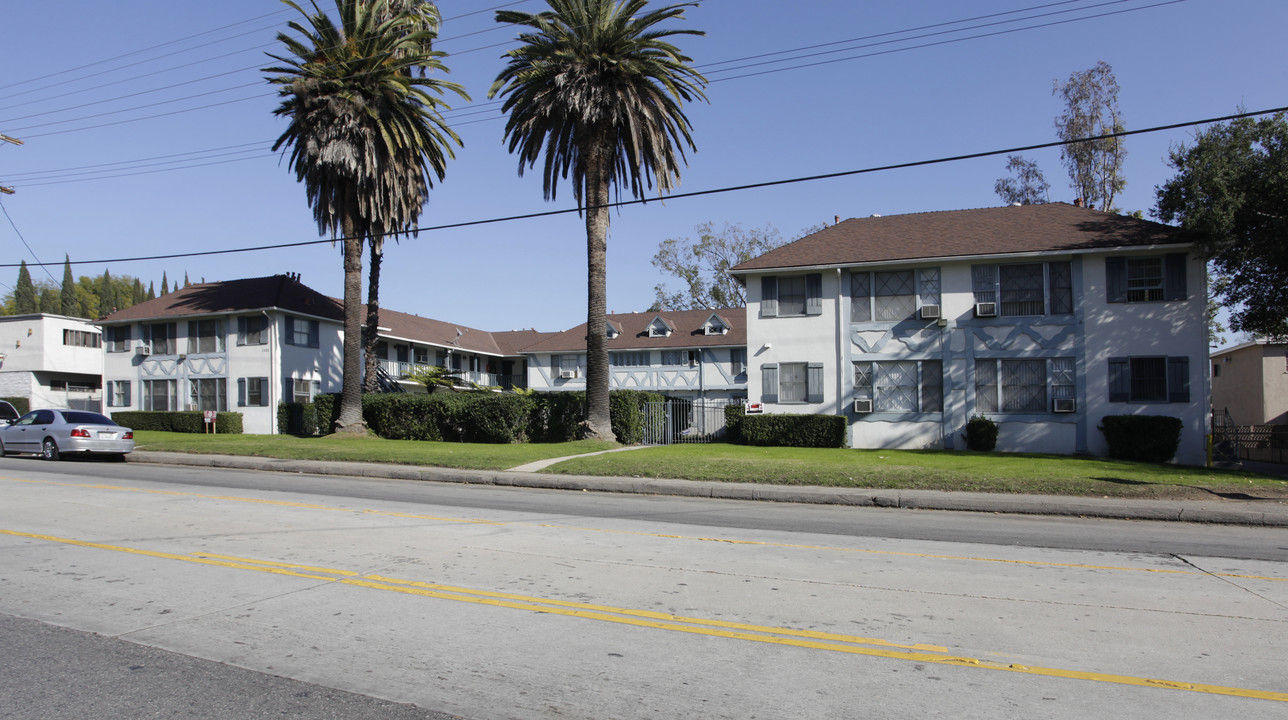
[(211, 416), (755, 408)]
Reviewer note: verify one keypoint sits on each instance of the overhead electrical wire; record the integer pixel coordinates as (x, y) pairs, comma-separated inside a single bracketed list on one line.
[(699, 193)]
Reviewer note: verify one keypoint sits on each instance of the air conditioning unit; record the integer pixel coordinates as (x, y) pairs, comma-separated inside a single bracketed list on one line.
[(567, 374), (863, 406), (986, 309), (1064, 405), (929, 312), (142, 349)]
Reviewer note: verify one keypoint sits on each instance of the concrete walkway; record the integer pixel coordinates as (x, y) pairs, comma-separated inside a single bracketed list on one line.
[(1248, 510), (543, 464)]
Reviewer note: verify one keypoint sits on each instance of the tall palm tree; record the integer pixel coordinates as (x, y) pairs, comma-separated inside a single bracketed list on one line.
[(365, 130), (597, 89)]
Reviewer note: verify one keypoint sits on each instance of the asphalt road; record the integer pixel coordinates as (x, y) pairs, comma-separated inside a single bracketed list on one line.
[(509, 603)]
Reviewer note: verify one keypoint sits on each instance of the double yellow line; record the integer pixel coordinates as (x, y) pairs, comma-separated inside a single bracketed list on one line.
[(807, 639)]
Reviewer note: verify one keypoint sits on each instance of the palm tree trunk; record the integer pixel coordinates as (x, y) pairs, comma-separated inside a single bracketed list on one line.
[(350, 420), (370, 334), (598, 419)]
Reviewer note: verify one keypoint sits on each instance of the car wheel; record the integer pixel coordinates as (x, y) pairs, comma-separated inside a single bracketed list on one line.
[(49, 450)]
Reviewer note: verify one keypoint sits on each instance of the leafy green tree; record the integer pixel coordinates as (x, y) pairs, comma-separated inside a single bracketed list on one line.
[(597, 88), (1091, 110), (24, 293), (1026, 184), (360, 109), (1231, 190), (703, 266)]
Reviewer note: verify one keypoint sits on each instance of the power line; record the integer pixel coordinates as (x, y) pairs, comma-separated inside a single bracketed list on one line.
[(702, 193), (24, 241)]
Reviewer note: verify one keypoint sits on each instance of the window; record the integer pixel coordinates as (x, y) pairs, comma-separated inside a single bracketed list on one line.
[(738, 361), (791, 295), (634, 358), (208, 394), (160, 338), (252, 392), (302, 390), (160, 395), (680, 357), (566, 366), (118, 338), (421, 355), (205, 337), (252, 330), (1022, 386), (892, 296), (1025, 288), (902, 386), (301, 332), (81, 338), (1149, 379), (791, 383), (1145, 279), (118, 393)]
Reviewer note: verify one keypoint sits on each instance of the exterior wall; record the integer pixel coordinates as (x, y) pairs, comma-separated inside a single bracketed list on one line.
[(1251, 383), (1087, 338), (712, 377)]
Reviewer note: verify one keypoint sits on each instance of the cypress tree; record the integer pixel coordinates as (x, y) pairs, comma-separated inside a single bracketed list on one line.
[(152, 291), (24, 295), (165, 284), (70, 305)]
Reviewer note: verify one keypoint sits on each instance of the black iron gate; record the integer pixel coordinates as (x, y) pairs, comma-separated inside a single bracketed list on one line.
[(684, 421)]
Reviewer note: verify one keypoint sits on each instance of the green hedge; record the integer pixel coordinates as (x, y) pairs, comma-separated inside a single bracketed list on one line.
[(21, 404), (734, 414), (482, 417), (188, 421), (1145, 438), (824, 431), (627, 410), (981, 434)]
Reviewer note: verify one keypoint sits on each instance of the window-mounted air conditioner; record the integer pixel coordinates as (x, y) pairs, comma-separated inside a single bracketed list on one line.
[(1064, 405), (986, 309), (929, 312), (142, 349), (567, 374), (863, 406)]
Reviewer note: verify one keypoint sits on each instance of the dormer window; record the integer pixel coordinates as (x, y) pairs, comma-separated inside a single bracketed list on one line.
[(660, 328), (715, 325), (613, 330)]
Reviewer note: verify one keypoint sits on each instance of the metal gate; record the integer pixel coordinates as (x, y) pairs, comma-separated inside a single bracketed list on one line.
[(684, 421)]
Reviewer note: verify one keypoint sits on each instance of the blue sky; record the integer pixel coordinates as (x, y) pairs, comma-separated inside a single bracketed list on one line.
[(918, 92)]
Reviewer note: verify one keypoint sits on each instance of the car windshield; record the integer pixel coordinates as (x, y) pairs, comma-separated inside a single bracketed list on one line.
[(78, 417), (7, 412)]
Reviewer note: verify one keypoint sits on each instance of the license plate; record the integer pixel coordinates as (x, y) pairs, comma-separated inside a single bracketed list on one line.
[(107, 436)]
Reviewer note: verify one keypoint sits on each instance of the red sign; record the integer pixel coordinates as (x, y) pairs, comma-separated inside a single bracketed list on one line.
[(755, 408), (211, 415)]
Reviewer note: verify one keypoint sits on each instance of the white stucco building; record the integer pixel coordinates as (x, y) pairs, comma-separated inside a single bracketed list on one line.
[(52, 360), (1044, 318)]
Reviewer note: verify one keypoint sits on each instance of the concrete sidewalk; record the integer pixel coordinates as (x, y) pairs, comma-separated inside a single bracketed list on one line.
[(1233, 511)]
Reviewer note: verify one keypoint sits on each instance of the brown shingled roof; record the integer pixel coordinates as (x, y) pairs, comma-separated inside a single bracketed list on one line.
[(276, 291), (437, 332), (1050, 227), (634, 336)]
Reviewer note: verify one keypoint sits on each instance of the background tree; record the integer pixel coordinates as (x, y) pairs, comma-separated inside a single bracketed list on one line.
[(1231, 190), (1091, 109), (1026, 185), (357, 105), (24, 293), (597, 88), (69, 303), (703, 266), (413, 169)]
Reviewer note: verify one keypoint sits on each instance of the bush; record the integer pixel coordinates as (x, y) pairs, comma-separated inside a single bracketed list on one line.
[(557, 416), (297, 419), (626, 408), (483, 417), (734, 414), (21, 404), (981, 434), (1145, 438), (824, 431), (186, 421)]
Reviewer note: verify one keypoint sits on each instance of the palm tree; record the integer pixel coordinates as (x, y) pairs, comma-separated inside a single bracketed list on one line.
[(365, 129), (596, 88)]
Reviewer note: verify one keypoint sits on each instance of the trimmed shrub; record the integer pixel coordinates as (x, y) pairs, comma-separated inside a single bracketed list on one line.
[(21, 404), (483, 417), (822, 431), (184, 421), (981, 434), (734, 414), (297, 419), (1145, 438), (557, 416), (626, 407)]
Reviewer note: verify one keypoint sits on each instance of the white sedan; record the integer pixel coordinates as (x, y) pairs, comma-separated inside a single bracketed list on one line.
[(54, 433)]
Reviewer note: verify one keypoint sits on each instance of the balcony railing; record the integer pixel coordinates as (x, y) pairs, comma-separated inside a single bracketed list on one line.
[(401, 370)]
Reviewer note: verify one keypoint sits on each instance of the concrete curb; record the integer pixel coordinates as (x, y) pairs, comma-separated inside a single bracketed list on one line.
[(1269, 512)]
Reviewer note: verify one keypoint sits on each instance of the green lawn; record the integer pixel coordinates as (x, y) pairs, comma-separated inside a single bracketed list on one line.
[(470, 456), (928, 470), (912, 469)]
